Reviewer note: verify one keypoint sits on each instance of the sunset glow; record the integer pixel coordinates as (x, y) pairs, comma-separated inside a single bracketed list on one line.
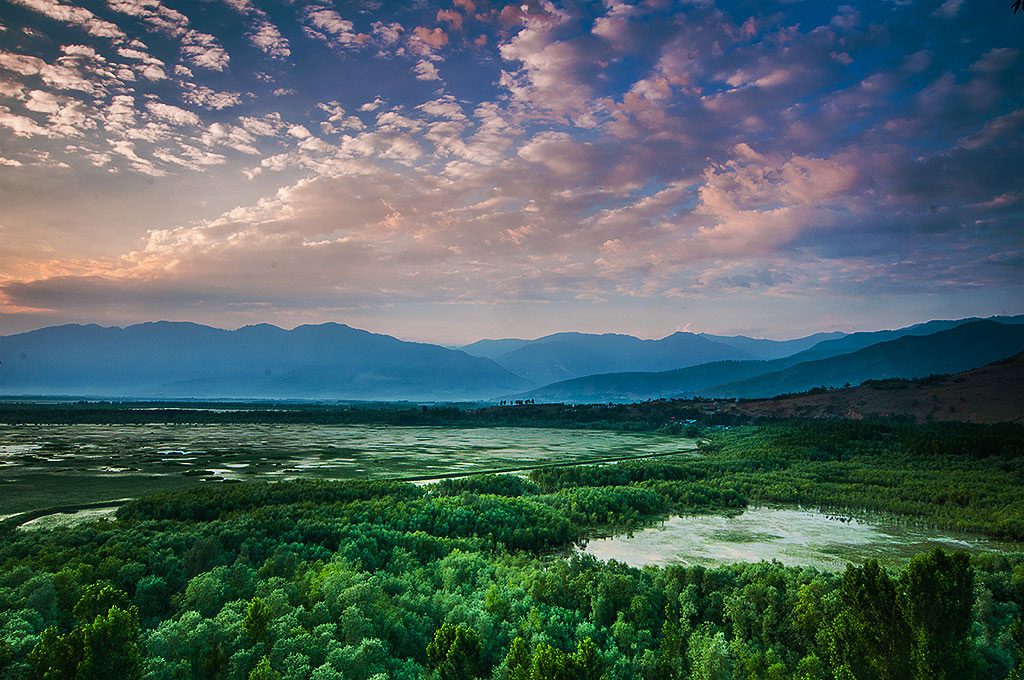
[(456, 170)]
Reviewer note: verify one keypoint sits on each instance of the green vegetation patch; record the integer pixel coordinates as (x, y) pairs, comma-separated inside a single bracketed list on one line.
[(320, 579)]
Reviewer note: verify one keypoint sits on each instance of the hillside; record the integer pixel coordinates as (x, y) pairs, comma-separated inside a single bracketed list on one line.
[(761, 348), (855, 341), (991, 394), (964, 347), (184, 360), (571, 355)]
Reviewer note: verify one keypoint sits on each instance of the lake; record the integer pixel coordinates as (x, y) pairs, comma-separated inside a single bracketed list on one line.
[(794, 537), (50, 465)]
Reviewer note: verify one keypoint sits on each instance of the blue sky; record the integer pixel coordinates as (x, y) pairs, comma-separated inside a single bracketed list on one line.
[(456, 170)]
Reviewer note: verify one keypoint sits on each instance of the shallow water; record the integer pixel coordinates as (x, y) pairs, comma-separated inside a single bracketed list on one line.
[(61, 519), (795, 537), (44, 466)]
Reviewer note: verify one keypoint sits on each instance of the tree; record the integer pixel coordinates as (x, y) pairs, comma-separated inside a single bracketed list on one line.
[(256, 623), (871, 636), (107, 647), (519, 660), (455, 652), (263, 671), (936, 594)]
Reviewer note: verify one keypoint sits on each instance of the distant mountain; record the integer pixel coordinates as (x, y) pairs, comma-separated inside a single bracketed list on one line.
[(991, 394), (185, 360), (856, 341), (492, 349), (569, 355), (760, 348), (638, 386), (909, 355), (966, 346)]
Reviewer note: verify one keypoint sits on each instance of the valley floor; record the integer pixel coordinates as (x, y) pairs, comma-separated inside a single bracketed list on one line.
[(479, 576)]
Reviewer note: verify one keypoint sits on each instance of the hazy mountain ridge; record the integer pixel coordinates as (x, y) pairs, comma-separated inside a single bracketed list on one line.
[(820, 365), (961, 348), (761, 348), (570, 355), (335, 361), (166, 359)]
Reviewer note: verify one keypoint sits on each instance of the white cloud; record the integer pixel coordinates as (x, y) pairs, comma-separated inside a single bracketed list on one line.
[(75, 16), (200, 49), (200, 95), (324, 23), (126, 149), (425, 70), (232, 137), (203, 50), (42, 102), (268, 125), (22, 126), (268, 38), (172, 114), (387, 33)]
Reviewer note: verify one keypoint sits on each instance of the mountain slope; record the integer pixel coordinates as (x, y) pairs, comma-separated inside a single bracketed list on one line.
[(855, 341), (186, 360), (638, 386), (964, 347), (492, 349), (761, 348), (716, 379), (991, 394), (569, 355)]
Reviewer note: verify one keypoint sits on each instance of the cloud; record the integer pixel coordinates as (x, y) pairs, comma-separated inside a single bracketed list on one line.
[(75, 16), (450, 17), (580, 152), (172, 114), (268, 38), (424, 70), (200, 49), (21, 126), (324, 23), (200, 95), (555, 75), (263, 34), (203, 50), (425, 42), (949, 9)]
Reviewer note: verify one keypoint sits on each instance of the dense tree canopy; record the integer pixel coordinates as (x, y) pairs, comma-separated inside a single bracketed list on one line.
[(476, 577)]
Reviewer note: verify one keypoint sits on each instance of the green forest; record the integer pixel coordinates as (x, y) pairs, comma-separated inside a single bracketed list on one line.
[(477, 577)]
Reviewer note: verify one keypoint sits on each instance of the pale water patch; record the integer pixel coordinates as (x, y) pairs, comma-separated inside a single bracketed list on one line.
[(7, 450), (64, 519), (794, 537)]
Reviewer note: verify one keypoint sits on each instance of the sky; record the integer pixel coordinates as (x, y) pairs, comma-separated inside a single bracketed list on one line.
[(451, 171)]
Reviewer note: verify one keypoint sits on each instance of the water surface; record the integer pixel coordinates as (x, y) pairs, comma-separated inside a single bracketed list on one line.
[(53, 465), (794, 537)]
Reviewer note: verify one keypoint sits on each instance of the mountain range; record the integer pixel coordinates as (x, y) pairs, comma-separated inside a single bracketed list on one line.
[(171, 360), (908, 353), (185, 360)]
